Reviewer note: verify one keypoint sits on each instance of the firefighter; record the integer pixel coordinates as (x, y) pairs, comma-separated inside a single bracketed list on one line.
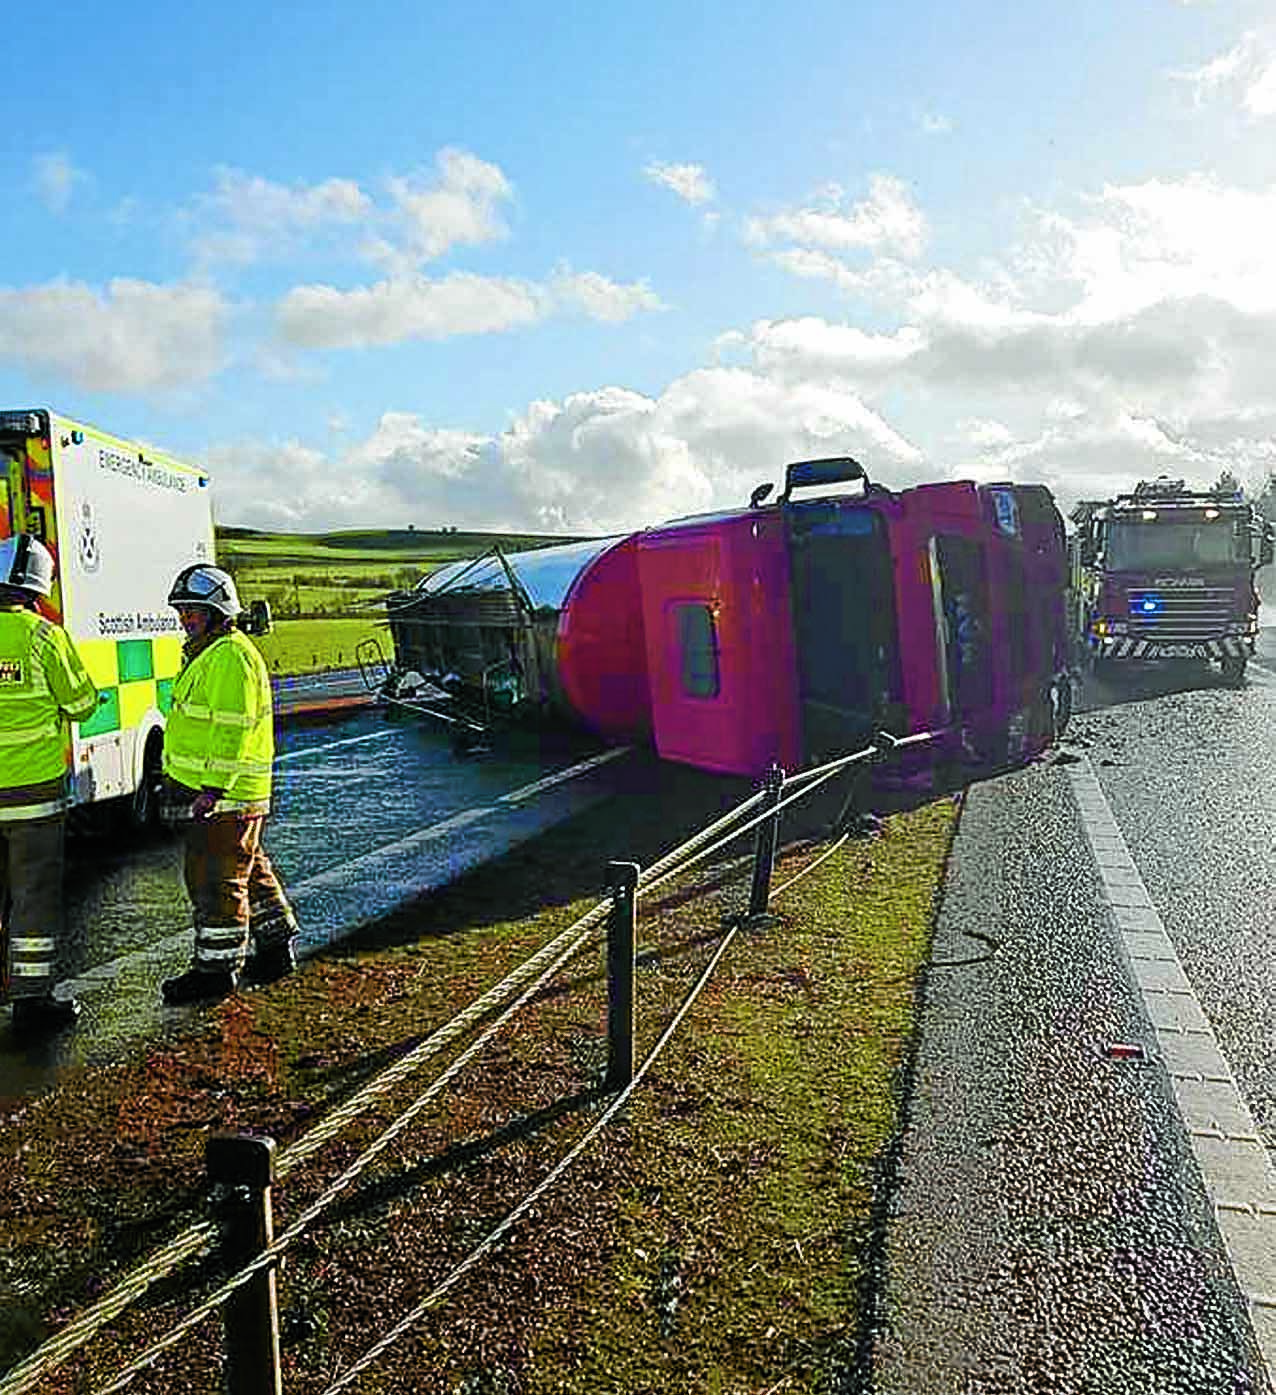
[(219, 747), (43, 687)]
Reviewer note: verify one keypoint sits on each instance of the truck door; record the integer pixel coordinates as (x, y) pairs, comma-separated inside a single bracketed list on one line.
[(961, 625), (844, 625)]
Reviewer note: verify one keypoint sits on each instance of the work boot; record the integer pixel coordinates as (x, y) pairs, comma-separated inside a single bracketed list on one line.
[(199, 985), (43, 1016), (270, 963)]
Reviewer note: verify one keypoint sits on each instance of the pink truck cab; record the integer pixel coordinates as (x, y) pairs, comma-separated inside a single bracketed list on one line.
[(792, 632)]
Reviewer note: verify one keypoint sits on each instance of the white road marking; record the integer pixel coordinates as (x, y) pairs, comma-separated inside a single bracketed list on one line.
[(104, 974), (453, 823), (517, 796), (332, 745), (344, 870), (1235, 1165)]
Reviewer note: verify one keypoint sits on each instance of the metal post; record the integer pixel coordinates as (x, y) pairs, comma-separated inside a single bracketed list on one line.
[(764, 846), (241, 1170), (622, 932)]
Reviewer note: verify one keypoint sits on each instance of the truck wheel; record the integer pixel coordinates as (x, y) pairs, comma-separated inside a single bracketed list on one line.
[(1233, 666), (144, 806)]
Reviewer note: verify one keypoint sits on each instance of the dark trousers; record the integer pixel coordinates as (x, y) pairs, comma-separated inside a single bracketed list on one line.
[(31, 913), (235, 895)]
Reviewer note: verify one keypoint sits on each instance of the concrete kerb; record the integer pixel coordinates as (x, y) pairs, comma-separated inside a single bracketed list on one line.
[(1234, 1163)]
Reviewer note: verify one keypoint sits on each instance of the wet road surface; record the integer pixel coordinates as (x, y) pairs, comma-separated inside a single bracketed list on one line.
[(1046, 1229), (1188, 766), (1047, 1226), (369, 811)]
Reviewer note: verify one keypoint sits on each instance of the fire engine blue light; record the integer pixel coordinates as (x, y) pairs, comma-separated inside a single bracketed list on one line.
[(1149, 605)]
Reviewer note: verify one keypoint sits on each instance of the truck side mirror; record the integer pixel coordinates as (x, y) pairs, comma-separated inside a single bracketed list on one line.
[(1266, 545), (1087, 550), (256, 619)]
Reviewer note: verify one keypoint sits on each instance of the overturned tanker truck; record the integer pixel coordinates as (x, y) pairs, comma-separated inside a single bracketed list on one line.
[(784, 632)]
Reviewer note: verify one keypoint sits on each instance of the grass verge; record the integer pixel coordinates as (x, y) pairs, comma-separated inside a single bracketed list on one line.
[(714, 1238)]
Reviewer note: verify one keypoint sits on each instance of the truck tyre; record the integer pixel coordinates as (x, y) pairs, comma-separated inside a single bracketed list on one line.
[(145, 804), (1233, 666)]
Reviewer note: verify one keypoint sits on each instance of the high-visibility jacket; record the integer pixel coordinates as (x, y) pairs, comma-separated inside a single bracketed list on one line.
[(43, 688), (221, 731)]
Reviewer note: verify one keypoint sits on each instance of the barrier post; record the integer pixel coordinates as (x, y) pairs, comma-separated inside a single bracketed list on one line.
[(622, 934), (241, 1169), (765, 842)]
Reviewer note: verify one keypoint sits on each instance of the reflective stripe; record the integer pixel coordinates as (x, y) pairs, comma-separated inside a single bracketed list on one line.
[(249, 808), (20, 738), (30, 945), (191, 709), (42, 968), (218, 956), (217, 934), (182, 762), (239, 767), (83, 703), (232, 719), (15, 813)]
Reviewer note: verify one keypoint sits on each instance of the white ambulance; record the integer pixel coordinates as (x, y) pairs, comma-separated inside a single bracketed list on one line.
[(121, 519)]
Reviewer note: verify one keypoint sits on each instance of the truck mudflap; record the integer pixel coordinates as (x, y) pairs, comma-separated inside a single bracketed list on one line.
[(1228, 647)]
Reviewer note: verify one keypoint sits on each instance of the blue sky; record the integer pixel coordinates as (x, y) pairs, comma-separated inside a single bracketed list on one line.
[(558, 267)]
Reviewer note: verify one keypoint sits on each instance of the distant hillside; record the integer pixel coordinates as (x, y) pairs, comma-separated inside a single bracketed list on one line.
[(312, 576), (419, 542)]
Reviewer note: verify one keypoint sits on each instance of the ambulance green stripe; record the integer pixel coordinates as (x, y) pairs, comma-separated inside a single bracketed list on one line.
[(136, 660), (107, 716)]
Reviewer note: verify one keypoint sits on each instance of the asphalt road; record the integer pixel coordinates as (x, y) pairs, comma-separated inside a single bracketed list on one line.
[(1189, 768), (369, 812), (1044, 1233), (1048, 1228)]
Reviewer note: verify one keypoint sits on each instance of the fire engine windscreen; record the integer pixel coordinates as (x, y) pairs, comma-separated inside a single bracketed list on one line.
[(1216, 542)]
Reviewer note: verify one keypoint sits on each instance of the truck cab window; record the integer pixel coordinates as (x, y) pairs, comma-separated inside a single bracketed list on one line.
[(698, 647)]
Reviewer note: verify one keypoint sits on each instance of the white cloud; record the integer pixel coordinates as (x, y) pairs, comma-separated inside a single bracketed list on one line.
[(1166, 239), (605, 460), (1246, 73), (415, 307), (246, 216), (133, 337), (1134, 332), (811, 348), (601, 298), (420, 217), (984, 434), (690, 182), (886, 221), (55, 180), (457, 206)]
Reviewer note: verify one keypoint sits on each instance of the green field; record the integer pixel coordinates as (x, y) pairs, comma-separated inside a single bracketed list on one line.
[(326, 591), (311, 646)]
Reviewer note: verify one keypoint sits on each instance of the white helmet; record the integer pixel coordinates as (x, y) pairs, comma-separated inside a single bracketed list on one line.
[(207, 586), (27, 564)]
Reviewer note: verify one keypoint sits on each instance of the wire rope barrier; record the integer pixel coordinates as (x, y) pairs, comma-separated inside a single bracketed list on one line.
[(540, 967), (494, 1236), (814, 779)]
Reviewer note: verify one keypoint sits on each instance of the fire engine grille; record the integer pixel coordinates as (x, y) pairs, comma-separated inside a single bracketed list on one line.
[(1196, 613)]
